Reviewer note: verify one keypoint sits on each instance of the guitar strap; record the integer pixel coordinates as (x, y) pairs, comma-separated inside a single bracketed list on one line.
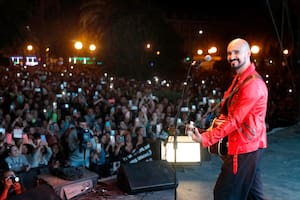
[(220, 148), (224, 109)]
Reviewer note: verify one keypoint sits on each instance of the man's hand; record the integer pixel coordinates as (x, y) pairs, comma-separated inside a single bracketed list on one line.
[(8, 183), (89, 145), (197, 137), (26, 168)]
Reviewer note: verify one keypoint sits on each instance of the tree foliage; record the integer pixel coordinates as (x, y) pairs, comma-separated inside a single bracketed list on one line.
[(124, 28), (14, 16)]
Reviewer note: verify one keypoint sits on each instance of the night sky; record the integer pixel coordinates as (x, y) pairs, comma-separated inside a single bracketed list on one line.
[(215, 7)]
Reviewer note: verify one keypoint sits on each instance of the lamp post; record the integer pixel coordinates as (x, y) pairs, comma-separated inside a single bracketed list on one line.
[(92, 47), (29, 51), (212, 50), (255, 50), (78, 45), (29, 47)]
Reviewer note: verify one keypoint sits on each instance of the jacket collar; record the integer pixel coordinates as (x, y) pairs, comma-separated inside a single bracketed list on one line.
[(250, 69)]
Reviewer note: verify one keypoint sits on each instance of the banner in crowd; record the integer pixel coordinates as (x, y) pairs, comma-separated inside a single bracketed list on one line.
[(143, 153)]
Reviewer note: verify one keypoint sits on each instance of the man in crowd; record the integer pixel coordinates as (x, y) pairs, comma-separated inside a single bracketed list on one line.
[(10, 185)]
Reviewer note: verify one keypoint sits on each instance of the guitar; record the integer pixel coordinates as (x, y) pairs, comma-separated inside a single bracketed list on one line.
[(221, 147)]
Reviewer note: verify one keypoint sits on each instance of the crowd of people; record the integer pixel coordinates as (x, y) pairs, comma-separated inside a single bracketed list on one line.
[(71, 116)]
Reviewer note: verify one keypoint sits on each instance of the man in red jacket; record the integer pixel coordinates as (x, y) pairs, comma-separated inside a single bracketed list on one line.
[(244, 123)]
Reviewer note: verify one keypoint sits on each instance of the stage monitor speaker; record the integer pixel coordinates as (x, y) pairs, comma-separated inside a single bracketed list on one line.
[(146, 176), (67, 189)]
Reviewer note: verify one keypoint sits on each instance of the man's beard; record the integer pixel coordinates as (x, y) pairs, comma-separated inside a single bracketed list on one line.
[(236, 67)]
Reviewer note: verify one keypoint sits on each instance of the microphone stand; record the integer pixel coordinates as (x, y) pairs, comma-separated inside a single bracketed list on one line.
[(176, 123)]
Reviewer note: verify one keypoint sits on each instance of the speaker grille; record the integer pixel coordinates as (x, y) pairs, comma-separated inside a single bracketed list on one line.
[(146, 176)]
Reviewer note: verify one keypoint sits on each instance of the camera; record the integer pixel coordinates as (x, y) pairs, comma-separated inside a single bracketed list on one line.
[(84, 136), (14, 179)]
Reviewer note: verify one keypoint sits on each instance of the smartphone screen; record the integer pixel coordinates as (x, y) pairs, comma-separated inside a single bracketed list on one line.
[(98, 147), (9, 138), (43, 139), (2, 130), (193, 107), (17, 133), (112, 140), (184, 109), (25, 139), (54, 117), (122, 139)]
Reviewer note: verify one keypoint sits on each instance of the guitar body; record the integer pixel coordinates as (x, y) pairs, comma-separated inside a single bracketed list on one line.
[(221, 147)]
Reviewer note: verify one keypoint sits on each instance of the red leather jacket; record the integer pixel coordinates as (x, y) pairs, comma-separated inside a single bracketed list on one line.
[(245, 122)]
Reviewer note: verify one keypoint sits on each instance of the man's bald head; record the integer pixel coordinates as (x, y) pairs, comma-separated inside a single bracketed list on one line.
[(238, 54)]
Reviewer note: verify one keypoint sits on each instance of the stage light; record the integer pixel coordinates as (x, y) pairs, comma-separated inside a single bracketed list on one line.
[(187, 152)]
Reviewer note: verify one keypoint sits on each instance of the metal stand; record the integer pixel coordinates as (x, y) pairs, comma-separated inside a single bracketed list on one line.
[(176, 123)]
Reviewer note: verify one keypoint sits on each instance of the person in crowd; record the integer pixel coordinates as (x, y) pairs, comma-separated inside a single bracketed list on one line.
[(141, 120), (16, 161), (124, 145), (243, 113), (81, 143), (10, 185), (147, 100), (3, 148), (98, 126), (154, 127), (139, 141), (41, 155), (99, 162), (53, 131), (27, 150), (58, 157), (90, 117)]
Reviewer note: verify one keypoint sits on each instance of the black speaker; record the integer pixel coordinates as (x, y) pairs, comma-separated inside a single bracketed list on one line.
[(146, 176)]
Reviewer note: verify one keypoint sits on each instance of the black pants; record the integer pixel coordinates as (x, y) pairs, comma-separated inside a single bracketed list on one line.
[(246, 184)]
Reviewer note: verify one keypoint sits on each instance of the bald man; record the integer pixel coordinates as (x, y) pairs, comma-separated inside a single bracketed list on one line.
[(243, 121)]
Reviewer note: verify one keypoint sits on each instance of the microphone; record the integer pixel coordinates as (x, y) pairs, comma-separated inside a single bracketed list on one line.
[(206, 58)]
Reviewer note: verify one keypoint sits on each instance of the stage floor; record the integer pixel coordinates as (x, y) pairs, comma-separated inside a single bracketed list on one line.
[(107, 188), (280, 166)]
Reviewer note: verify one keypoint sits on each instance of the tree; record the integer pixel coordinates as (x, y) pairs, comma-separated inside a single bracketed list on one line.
[(124, 28), (14, 16)]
